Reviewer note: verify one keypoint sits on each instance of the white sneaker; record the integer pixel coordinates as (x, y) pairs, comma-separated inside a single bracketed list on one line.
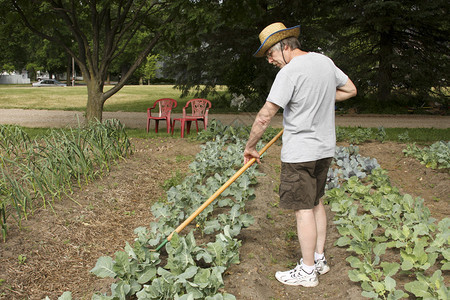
[(288, 273), (321, 266), (298, 276)]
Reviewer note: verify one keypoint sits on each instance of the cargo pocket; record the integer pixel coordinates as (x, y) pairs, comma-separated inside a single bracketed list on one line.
[(287, 191)]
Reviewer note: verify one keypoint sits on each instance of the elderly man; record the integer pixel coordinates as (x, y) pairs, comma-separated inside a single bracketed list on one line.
[(306, 87)]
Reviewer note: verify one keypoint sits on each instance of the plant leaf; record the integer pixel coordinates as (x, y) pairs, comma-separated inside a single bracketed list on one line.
[(104, 267)]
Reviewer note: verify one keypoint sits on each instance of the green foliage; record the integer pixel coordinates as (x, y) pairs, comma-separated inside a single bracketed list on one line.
[(373, 45), (232, 132), (191, 271), (176, 179), (360, 135), (436, 156), (429, 287), (372, 217), (218, 45), (8, 68), (147, 71), (47, 167)]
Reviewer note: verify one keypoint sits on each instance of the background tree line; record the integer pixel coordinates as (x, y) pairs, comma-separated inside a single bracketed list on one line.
[(396, 52)]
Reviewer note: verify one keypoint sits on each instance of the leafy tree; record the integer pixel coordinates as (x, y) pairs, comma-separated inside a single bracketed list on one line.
[(20, 50), (49, 57), (392, 47), (8, 68), (97, 32), (12, 40), (218, 48), (148, 70), (387, 47)]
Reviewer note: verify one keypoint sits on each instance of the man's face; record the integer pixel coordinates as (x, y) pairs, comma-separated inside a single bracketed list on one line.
[(275, 57)]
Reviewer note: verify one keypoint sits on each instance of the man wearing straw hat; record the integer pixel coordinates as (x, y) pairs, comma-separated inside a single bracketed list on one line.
[(306, 87)]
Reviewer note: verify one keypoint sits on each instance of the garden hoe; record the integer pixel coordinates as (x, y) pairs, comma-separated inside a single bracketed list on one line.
[(218, 192)]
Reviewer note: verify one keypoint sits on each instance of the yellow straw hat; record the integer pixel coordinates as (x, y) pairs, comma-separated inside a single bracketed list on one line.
[(274, 33)]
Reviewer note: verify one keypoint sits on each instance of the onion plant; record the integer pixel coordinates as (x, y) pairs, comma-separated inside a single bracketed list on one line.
[(35, 172)]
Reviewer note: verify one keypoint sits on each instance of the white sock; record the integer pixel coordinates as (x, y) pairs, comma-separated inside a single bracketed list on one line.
[(318, 256), (308, 269)]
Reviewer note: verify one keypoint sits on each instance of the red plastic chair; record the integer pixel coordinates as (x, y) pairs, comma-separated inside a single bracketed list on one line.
[(165, 109), (199, 112)]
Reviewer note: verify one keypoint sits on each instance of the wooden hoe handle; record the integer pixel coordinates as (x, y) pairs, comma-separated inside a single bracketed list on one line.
[(218, 192)]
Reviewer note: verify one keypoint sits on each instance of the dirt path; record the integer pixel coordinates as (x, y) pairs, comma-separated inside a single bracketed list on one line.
[(57, 118)]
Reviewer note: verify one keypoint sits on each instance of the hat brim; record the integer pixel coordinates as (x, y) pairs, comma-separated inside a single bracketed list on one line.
[(275, 38)]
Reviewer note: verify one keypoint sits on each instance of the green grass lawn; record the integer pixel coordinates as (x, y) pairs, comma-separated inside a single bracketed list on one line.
[(131, 98)]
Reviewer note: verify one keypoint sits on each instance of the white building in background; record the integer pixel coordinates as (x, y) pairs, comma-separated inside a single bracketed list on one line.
[(14, 78)]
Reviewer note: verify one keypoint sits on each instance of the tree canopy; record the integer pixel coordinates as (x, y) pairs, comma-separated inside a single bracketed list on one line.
[(393, 47), (96, 33), (388, 48)]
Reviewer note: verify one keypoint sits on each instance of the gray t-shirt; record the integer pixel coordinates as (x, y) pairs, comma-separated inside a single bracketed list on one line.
[(306, 89)]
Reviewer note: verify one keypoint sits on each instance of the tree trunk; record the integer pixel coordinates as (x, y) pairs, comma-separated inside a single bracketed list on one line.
[(68, 71), (385, 68), (94, 107)]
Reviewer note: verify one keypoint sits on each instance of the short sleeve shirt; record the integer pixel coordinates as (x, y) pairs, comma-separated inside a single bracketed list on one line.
[(306, 89)]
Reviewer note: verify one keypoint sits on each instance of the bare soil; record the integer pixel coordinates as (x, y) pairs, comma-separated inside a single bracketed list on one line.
[(59, 245)]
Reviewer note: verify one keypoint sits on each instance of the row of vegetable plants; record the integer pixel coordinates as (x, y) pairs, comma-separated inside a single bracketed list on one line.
[(378, 223), (189, 269), (35, 172), (436, 156)]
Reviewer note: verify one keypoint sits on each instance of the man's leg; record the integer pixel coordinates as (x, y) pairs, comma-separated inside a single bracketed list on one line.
[(307, 234), (320, 217), (303, 274)]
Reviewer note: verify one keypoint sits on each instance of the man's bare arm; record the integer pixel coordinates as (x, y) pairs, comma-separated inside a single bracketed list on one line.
[(260, 125), (346, 91)]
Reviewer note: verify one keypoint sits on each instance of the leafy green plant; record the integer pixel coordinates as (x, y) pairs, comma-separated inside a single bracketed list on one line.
[(190, 269), (360, 135), (372, 216), (437, 156), (381, 134), (404, 137), (22, 259), (44, 169), (429, 287), (177, 178)]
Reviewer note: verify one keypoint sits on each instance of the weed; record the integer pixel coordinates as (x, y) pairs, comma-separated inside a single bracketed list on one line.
[(22, 259), (436, 199), (175, 180), (274, 204), (273, 260), (183, 158), (276, 187), (290, 235), (404, 137)]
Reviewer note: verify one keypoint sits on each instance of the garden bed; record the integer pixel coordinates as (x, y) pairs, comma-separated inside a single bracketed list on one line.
[(55, 250)]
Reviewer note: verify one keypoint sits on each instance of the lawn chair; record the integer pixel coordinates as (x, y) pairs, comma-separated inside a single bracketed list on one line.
[(199, 112), (165, 109)]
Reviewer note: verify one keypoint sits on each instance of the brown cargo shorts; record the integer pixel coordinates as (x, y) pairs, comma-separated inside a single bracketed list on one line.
[(303, 184)]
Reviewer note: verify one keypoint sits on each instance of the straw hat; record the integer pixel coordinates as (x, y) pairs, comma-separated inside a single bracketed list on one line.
[(274, 33)]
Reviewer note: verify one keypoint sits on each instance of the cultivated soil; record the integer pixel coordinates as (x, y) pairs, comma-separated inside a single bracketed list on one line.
[(56, 247)]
